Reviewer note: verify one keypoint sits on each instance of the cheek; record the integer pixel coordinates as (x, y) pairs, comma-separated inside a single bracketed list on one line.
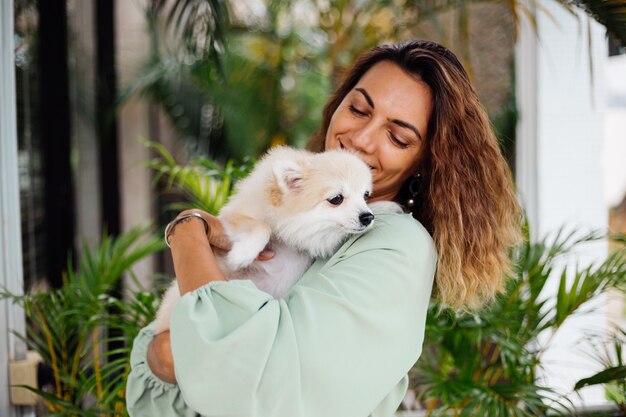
[(341, 123), (331, 142), (401, 166), (328, 142)]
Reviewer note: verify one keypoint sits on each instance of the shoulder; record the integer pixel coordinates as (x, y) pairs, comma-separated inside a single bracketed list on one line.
[(395, 238), (396, 260), (399, 231)]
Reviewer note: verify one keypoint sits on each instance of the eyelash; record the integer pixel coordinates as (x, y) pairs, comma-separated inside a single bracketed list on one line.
[(395, 140), (357, 112)]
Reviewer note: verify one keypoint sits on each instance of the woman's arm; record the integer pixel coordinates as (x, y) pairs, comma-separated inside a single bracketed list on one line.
[(160, 357), (147, 394), (194, 261), (195, 266), (338, 345)]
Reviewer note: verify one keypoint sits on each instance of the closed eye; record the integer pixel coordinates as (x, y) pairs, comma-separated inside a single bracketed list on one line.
[(336, 200), (357, 112), (397, 141)]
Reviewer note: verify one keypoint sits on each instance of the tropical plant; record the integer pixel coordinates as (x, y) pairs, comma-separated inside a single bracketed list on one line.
[(485, 363), (205, 184), (235, 80), (71, 327), (198, 25), (266, 88), (610, 355)]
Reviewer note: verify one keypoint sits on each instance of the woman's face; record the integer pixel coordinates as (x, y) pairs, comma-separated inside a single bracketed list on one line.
[(384, 119)]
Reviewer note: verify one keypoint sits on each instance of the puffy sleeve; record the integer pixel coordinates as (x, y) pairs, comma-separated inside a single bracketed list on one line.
[(146, 394), (339, 345)]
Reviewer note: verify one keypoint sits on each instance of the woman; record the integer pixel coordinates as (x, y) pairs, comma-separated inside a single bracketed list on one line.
[(342, 341)]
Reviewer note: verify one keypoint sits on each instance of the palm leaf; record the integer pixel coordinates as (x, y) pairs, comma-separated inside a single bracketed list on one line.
[(200, 24), (586, 284), (204, 183), (485, 364), (617, 373), (610, 13), (65, 324), (609, 353)]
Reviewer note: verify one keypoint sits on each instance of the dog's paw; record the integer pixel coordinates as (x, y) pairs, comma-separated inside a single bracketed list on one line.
[(244, 252), (248, 235)]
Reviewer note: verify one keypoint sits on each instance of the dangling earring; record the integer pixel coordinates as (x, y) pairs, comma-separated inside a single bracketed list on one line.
[(415, 186)]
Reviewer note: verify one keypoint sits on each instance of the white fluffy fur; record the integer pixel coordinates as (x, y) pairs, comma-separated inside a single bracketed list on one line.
[(284, 203)]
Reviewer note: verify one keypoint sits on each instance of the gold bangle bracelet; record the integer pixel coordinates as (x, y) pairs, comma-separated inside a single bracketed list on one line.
[(169, 229)]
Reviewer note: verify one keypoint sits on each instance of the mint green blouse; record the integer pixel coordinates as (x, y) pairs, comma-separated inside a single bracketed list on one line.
[(339, 344)]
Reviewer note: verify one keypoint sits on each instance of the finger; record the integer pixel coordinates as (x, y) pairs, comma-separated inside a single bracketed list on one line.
[(265, 255), (217, 235)]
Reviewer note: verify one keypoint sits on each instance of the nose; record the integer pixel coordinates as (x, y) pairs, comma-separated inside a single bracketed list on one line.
[(363, 139), (366, 218)]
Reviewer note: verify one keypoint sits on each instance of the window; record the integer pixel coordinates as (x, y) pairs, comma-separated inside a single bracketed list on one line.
[(615, 47)]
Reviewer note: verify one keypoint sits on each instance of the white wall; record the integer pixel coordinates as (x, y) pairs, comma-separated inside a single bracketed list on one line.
[(615, 131), (615, 160), (560, 170)]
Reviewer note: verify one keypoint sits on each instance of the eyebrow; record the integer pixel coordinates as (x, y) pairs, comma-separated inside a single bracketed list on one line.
[(408, 126), (394, 121), (367, 96)]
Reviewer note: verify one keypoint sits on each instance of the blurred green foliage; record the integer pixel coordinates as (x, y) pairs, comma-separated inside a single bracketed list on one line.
[(278, 65), (235, 77), (485, 364), (204, 184), (71, 327), (609, 353)]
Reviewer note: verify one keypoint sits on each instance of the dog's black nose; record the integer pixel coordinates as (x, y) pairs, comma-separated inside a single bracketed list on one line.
[(366, 218)]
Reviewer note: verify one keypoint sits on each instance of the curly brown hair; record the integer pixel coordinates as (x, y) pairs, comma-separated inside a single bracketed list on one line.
[(467, 200)]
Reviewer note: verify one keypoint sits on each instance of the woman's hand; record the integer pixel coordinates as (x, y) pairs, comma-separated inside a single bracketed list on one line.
[(216, 236), (194, 261), (160, 359)]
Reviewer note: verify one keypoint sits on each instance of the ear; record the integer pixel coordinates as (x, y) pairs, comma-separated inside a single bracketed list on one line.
[(288, 175)]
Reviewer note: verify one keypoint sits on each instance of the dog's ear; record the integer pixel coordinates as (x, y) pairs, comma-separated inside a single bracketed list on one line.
[(288, 175)]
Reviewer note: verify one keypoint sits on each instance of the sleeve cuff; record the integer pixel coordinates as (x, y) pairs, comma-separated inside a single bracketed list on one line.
[(140, 367)]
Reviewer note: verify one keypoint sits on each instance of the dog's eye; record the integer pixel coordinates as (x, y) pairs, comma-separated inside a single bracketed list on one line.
[(336, 200), (366, 195)]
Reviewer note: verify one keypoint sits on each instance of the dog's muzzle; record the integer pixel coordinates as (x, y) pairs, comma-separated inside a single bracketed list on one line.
[(366, 218)]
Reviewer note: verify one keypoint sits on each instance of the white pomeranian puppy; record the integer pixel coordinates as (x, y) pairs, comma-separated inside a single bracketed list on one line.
[(299, 204)]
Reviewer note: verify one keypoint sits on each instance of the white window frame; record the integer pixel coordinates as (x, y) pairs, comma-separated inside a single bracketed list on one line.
[(11, 273)]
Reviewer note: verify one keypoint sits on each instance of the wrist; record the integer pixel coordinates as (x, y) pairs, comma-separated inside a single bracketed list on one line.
[(188, 237), (190, 225)]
